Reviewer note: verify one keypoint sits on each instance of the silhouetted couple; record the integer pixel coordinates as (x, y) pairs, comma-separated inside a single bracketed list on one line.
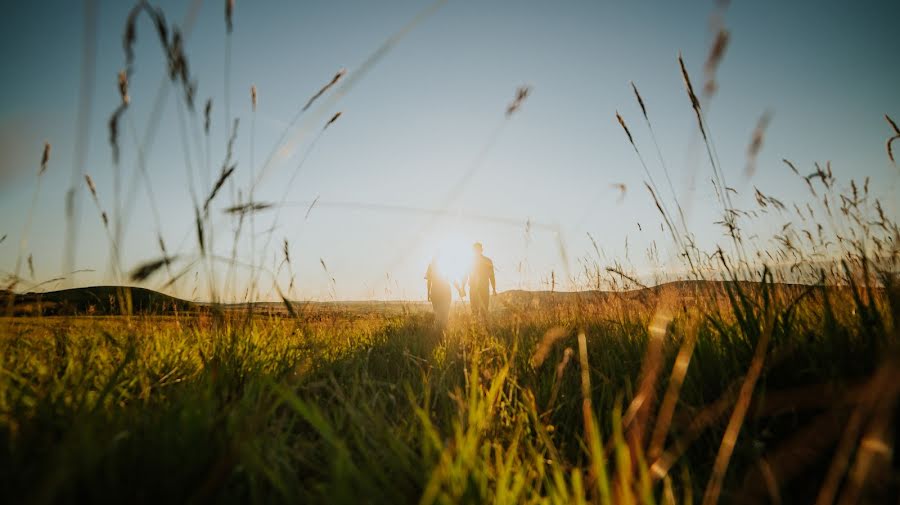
[(479, 277)]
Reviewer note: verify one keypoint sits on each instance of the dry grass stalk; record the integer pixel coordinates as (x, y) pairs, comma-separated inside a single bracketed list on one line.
[(226, 173), (332, 120), (522, 93), (229, 15), (337, 77), (618, 271), (227, 168), (93, 189), (625, 127), (31, 265), (145, 270), (662, 160), (554, 392), (790, 164), (640, 101), (207, 112), (756, 143), (178, 68), (891, 140), (543, 349), (198, 221), (308, 210), (729, 440), (123, 88), (695, 103), (45, 159), (91, 186), (130, 35), (162, 244), (622, 189), (586, 408), (253, 97), (249, 207), (673, 391), (327, 272), (174, 48), (638, 413), (716, 54), (881, 387), (287, 303), (113, 126)]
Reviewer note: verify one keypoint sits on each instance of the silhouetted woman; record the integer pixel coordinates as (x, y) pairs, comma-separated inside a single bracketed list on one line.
[(438, 293)]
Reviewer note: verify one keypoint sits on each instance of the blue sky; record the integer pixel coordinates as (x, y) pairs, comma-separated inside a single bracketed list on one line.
[(416, 121)]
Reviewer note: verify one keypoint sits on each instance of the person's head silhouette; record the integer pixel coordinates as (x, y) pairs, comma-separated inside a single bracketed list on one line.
[(477, 248)]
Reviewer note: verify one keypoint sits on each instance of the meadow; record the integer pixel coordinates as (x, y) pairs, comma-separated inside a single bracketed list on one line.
[(769, 373), (536, 405)]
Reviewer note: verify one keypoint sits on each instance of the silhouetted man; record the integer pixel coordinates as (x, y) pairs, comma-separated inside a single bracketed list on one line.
[(481, 282)]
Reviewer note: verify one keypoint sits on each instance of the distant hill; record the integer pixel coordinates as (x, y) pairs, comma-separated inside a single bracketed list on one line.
[(99, 300), (683, 289), (110, 300)]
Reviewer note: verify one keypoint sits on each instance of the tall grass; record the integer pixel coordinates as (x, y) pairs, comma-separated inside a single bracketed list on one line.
[(374, 405)]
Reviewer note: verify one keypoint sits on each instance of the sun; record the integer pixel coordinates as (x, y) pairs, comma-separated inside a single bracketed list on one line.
[(453, 257)]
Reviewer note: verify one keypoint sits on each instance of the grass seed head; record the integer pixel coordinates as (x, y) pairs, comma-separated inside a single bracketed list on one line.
[(640, 100), (207, 112), (756, 142), (226, 173), (522, 93), (113, 126), (145, 270), (229, 15), (891, 140), (123, 88), (716, 54), (45, 159), (333, 119), (625, 127), (198, 221), (130, 35), (90, 185), (695, 103), (337, 77)]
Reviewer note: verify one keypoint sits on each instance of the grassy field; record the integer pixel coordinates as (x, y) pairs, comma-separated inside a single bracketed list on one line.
[(582, 399)]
